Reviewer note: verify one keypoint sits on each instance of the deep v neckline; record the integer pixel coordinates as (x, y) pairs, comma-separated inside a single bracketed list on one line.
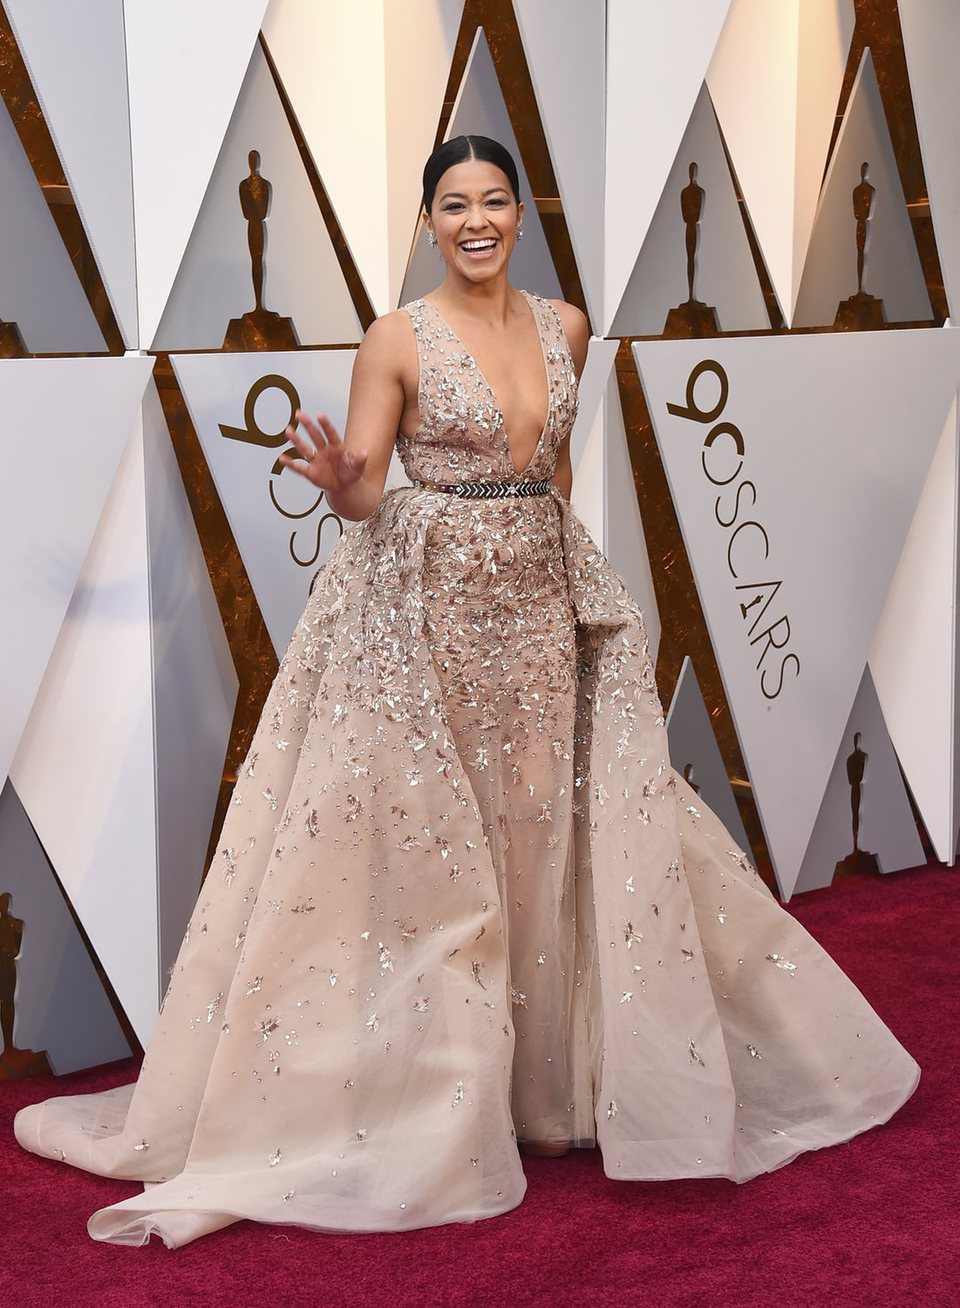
[(501, 425)]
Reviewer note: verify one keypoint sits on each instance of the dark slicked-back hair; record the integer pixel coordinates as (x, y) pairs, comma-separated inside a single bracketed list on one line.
[(461, 148)]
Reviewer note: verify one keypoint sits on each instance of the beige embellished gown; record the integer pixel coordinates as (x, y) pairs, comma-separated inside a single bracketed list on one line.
[(461, 897)]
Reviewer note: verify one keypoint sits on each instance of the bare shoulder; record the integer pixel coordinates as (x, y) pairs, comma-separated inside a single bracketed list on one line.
[(389, 343), (389, 330), (576, 328), (574, 321)]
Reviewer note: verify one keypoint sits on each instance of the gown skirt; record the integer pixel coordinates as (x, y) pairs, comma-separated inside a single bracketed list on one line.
[(461, 898)]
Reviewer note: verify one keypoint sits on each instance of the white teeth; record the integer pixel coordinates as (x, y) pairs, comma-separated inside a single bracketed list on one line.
[(477, 245)]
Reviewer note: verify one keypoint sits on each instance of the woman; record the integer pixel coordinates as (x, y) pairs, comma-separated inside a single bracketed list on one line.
[(461, 899)]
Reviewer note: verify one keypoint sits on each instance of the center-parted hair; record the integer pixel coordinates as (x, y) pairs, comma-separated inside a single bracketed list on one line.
[(457, 150)]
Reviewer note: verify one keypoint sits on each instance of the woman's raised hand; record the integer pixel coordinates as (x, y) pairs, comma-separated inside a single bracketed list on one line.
[(327, 463)]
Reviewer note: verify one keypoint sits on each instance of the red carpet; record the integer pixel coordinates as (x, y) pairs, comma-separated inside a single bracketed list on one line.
[(876, 1220)]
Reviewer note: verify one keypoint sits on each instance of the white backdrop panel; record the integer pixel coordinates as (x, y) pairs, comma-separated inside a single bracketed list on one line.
[(931, 39), (604, 495), (330, 58), (85, 766), (194, 685), (62, 1009), (39, 288), (282, 525), (775, 81), (601, 354), (886, 823), (480, 110), (185, 64), (813, 530), (120, 764), (892, 269), (624, 541), (77, 62), (419, 41), (914, 654), (657, 56), (693, 745), (302, 279), (725, 274), (588, 496), (41, 553), (565, 44)]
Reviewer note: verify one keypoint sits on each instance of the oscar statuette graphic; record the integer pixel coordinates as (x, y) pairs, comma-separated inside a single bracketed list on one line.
[(261, 328), (861, 311), (693, 318), (858, 860), (14, 1063)]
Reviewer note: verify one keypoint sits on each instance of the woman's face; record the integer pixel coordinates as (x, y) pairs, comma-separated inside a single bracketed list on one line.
[(475, 218)]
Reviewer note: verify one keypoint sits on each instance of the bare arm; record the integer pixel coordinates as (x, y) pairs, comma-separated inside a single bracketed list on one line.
[(352, 470), (577, 331)]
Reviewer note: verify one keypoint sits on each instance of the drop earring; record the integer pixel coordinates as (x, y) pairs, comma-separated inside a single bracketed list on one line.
[(519, 233), (432, 240)]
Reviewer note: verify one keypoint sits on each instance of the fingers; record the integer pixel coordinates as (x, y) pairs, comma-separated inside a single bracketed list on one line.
[(296, 465), (300, 442), (326, 438), (329, 431), (321, 430)]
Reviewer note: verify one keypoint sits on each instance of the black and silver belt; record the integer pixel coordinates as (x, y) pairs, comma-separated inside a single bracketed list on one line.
[(489, 490)]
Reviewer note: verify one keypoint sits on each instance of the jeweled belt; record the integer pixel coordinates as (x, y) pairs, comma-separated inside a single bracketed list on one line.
[(489, 490)]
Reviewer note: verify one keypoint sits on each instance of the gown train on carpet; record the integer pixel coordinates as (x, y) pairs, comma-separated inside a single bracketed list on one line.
[(461, 897)]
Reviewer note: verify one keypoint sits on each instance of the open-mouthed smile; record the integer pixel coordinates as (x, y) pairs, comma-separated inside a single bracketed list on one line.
[(480, 248)]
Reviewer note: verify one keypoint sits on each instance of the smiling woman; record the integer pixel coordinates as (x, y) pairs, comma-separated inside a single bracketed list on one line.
[(461, 899), (473, 214), (480, 220)]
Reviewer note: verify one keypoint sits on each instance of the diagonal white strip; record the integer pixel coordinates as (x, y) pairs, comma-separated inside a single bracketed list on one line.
[(419, 41), (77, 63), (913, 656), (587, 439), (141, 666), (41, 554), (604, 496), (185, 64), (565, 44), (795, 541), (85, 766), (931, 39), (601, 356), (624, 542), (330, 58), (657, 57), (588, 497), (775, 80), (194, 685)]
